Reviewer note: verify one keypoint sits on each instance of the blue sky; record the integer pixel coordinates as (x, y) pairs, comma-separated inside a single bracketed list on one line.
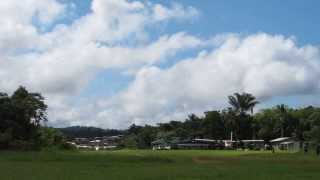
[(111, 63), (289, 18)]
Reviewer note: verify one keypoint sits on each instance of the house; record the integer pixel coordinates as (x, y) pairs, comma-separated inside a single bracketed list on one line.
[(199, 144), (228, 144), (160, 144), (286, 143), (97, 143)]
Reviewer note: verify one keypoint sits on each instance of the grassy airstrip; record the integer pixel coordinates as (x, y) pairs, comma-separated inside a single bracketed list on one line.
[(162, 165)]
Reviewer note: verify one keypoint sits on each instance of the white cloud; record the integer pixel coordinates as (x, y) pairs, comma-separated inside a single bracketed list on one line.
[(17, 20), (177, 11), (61, 61), (65, 59), (25, 12), (262, 64)]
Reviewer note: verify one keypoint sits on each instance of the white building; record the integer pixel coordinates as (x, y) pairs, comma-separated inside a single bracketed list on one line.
[(286, 143)]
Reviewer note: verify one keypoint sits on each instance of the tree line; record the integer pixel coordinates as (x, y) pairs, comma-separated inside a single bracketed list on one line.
[(238, 120), (23, 116), (89, 132)]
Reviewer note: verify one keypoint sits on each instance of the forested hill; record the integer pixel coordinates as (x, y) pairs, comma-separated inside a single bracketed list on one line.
[(83, 131)]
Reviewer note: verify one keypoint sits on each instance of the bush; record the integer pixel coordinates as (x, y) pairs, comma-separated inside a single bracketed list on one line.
[(130, 142), (5, 138), (51, 139), (21, 145), (67, 146)]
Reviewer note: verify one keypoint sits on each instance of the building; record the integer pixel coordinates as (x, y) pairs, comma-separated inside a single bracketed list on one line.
[(160, 144), (187, 144), (286, 143), (228, 144), (97, 143), (212, 144)]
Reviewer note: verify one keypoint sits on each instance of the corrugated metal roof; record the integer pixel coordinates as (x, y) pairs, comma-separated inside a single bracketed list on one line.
[(280, 139)]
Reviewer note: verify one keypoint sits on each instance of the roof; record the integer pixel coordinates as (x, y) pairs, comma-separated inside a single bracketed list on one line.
[(280, 139), (228, 141), (253, 140), (193, 145), (159, 141), (205, 140), (289, 142)]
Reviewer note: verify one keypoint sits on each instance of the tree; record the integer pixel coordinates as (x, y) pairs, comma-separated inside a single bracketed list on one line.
[(255, 126), (31, 106), (134, 129), (193, 125), (282, 113), (89, 132), (268, 124), (242, 103), (213, 126), (30, 112), (314, 133), (304, 118), (130, 141), (20, 118), (6, 113), (50, 138), (229, 118), (146, 136)]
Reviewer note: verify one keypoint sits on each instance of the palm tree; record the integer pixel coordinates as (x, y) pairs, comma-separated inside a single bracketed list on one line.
[(242, 103), (282, 113)]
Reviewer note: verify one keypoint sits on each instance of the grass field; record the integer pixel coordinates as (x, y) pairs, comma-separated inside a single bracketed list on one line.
[(162, 165)]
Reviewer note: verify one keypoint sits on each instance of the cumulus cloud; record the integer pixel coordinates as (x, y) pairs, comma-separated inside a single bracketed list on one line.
[(177, 11), (17, 21), (262, 64), (57, 59), (40, 51), (63, 60)]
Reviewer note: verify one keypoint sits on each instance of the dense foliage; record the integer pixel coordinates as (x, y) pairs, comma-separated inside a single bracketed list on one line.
[(21, 117), (271, 123), (23, 113), (88, 132)]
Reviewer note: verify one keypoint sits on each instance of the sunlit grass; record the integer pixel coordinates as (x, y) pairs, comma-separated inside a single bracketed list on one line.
[(145, 164)]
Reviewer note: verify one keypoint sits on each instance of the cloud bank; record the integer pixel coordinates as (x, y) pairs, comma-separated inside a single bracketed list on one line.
[(40, 51)]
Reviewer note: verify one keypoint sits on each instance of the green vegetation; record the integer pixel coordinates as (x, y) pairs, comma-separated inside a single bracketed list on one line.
[(162, 165), (21, 117), (89, 132), (280, 121), (23, 114)]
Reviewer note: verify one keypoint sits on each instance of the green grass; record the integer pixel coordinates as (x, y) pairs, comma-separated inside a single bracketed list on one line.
[(162, 165)]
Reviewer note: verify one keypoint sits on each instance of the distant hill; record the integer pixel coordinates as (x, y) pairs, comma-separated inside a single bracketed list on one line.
[(83, 131)]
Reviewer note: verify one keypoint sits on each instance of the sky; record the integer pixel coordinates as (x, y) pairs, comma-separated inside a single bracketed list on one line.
[(112, 63)]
